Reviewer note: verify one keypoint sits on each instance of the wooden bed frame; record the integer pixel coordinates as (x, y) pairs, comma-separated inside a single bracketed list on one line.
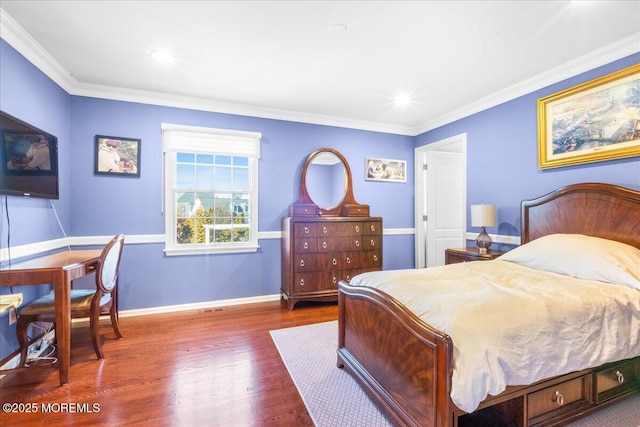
[(405, 365)]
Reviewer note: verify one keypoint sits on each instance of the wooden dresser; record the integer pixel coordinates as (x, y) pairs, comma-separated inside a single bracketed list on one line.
[(328, 236), (318, 252)]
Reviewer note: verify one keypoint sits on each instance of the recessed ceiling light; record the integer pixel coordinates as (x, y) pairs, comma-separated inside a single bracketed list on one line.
[(402, 100), (162, 56), (337, 29)]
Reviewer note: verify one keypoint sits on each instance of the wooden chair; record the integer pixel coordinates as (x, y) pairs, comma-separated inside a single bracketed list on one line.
[(84, 302)]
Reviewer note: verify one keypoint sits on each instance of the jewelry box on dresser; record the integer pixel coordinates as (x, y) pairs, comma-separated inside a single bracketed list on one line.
[(328, 236)]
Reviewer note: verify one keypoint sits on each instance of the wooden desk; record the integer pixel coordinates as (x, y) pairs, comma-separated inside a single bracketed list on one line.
[(58, 269)]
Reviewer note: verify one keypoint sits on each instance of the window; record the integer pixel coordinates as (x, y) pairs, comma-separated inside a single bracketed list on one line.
[(210, 190)]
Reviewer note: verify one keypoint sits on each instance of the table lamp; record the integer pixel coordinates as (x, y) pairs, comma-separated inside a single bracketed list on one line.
[(483, 216)]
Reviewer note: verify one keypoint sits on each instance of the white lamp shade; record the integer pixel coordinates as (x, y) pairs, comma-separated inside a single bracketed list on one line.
[(483, 215)]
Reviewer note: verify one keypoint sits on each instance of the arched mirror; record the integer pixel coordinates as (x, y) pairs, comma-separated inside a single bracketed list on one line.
[(326, 187), (326, 180)]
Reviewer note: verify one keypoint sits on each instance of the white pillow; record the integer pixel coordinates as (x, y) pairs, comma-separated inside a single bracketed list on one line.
[(580, 256)]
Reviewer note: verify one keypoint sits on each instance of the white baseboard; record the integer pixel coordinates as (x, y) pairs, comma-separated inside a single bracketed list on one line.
[(197, 306)]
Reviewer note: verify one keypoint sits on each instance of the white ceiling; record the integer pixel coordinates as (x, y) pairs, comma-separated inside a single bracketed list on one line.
[(283, 59)]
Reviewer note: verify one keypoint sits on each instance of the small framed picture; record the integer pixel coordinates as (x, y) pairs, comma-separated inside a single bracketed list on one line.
[(385, 170), (117, 156)]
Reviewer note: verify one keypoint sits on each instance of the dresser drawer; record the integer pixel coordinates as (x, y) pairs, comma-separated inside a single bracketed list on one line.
[(371, 242), (305, 229), (373, 228), (305, 282), (340, 229), (330, 261), (328, 280), (336, 244), (305, 263), (617, 380), (373, 259), (305, 245), (569, 394)]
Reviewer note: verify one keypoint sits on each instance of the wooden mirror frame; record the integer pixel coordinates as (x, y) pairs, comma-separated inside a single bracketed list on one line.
[(306, 207)]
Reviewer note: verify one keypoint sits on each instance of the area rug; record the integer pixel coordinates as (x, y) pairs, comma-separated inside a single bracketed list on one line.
[(333, 398)]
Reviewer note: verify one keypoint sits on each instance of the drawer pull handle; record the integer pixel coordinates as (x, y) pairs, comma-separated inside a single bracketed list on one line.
[(619, 377), (324, 230), (375, 257), (348, 278), (334, 262), (301, 282), (373, 228), (324, 245), (334, 280), (301, 263), (348, 260), (306, 245), (306, 230), (373, 243), (357, 243), (557, 397), (357, 229)]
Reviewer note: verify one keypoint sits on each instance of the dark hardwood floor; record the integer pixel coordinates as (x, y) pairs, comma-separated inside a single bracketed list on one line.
[(214, 367)]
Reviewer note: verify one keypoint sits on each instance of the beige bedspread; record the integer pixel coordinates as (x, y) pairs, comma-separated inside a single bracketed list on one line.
[(513, 325)]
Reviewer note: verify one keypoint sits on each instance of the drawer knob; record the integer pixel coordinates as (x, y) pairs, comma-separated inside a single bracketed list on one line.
[(357, 243), (324, 245), (348, 278), (375, 257), (324, 230), (301, 263), (357, 228), (301, 282), (373, 228), (306, 230), (373, 243), (334, 261), (619, 377), (348, 260), (306, 245), (334, 280), (557, 397)]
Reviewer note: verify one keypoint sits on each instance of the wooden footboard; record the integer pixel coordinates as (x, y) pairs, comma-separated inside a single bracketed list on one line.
[(403, 364)]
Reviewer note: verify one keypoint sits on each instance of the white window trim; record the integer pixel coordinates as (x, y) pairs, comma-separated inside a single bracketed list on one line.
[(195, 139)]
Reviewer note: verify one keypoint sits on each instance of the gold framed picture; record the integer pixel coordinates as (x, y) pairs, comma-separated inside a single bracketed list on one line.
[(595, 121)]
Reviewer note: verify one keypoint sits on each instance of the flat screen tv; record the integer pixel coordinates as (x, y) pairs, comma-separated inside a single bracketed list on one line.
[(29, 160)]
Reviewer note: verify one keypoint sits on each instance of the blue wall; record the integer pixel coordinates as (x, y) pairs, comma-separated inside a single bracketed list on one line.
[(502, 154)]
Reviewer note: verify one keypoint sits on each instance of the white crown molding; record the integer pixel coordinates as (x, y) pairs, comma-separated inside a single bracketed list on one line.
[(618, 50), (20, 40)]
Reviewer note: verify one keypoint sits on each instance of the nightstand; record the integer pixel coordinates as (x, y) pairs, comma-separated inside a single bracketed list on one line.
[(452, 256)]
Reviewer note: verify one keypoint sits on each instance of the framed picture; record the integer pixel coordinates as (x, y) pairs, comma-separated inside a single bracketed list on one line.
[(385, 170), (117, 156), (595, 121)]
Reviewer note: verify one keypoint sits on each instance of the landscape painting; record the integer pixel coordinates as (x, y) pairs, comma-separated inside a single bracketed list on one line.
[(599, 120)]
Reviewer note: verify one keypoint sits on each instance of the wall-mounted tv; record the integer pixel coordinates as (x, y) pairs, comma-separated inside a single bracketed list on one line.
[(29, 160)]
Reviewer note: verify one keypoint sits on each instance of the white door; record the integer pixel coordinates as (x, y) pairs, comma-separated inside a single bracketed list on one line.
[(440, 200)]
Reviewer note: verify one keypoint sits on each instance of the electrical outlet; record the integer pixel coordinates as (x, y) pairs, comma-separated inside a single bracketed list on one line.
[(13, 315)]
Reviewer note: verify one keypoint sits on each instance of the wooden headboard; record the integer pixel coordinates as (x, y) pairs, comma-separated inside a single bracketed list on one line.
[(594, 209)]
